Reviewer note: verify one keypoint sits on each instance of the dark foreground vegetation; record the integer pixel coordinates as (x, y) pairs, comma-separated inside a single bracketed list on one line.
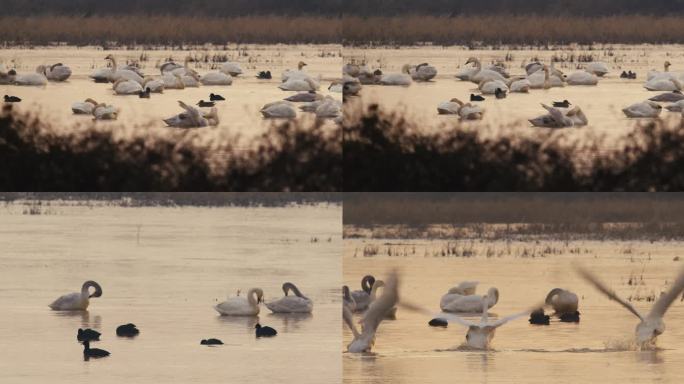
[(385, 152), (289, 157), (587, 215)]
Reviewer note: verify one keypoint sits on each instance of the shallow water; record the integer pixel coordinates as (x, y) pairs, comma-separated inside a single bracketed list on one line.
[(598, 349), (164, 269), (239, 114), (602, 104)]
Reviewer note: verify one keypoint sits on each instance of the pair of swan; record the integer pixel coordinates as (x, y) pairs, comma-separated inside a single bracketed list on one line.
[(560, 118), (84, 107), (249, 305), (643, 109), (291, 304), (103, 111), (326, 108), (77, 301), (465, 111), (115, 73), (546, 78), (650, 325), (55, 72), (462, 298), (193, 118), (364, 340), (420, 72)]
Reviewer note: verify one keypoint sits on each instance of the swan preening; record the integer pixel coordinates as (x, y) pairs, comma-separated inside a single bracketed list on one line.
[(77, 301), (242, 305), (651, 325), (463, 298), (84, 107), (480, 335), (362, 297), (291, 304), (420, 72), (643, 109), (56, 72), (364, 340), (103, 111), (193, 118), (561, 118), (279, 110), (465, 111)]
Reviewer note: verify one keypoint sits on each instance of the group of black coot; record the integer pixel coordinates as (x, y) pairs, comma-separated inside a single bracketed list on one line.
[(86, 336), (499, 94), (260, 331)]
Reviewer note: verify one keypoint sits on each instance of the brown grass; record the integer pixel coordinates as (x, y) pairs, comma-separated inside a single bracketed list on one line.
[(505, 29), (169, 30)]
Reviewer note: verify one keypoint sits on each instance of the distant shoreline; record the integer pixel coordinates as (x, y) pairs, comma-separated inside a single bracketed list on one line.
[(473, 31), (169, 30)]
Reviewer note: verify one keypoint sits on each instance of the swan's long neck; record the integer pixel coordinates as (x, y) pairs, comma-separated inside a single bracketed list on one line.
[(485, 308), (367, 284), (253, 296), (86, 287), (114, 65), (551, 294), (289, 286)]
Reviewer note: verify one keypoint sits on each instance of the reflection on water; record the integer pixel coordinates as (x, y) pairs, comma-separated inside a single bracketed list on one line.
[(599, 349), (163, 269), (602, 104)]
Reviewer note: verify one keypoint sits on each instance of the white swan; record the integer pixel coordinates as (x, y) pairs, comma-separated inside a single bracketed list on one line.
[(597, 68), (291, 304), (216, 78), (77, 301), (125, 73), (644, 109), (279, 110), (663, 84), (480, 335), (364, 341), (489, 87), (666, 73), (562, 301), (396, 79), (172, 81), (175, 69), (242, 305), (155, 85), (191, 80), (299, 84), (127, 87), (362, 297), (105, 112), (465, 288), (470, 303), (348, 302), (483, 74), (84, 107), (193, 118), (471, 112), (560, 118), (329, 108), (232, 69), (651, 325), (676, 107), (57, 72), (295, 74), (582, 78), (421, 72), (451, 107), (543, 79), (32, 79), (520, 85)]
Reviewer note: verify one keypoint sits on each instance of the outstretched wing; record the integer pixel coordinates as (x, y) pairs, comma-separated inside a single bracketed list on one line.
[(349, 320), (457, 319), (193, 113), (504, 320), (598, 284), (664, 302)]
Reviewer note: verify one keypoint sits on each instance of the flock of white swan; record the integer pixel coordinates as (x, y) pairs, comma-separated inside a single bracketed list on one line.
[(130, 81), (249, 305), (496, 81), (463, 299)]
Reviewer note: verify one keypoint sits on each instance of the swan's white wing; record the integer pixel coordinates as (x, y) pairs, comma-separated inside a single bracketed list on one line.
[(598, 284), (504, 320), (379, 308), (349, 320), (664, 302)]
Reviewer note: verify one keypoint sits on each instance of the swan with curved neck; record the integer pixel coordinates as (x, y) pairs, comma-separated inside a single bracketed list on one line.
[(77, 301), (364, 341), (347, 300), (650, 325), (362, 297), (291, 304), (242, 306), (480, 335), (471, 303), (123, 73), (392, 312), (481, 74)]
